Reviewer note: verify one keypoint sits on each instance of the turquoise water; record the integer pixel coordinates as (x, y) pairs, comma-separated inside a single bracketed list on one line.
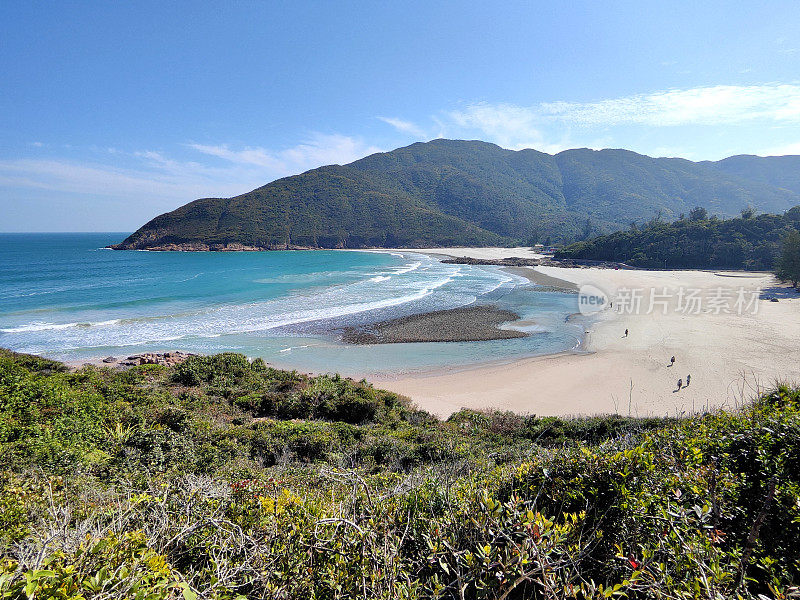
[(64, 296)]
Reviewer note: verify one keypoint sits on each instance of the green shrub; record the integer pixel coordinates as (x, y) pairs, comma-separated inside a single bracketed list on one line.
[(262, 483)]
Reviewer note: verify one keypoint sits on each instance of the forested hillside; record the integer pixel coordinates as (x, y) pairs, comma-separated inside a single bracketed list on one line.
[(695, 242), (777, 171), (450, 192)]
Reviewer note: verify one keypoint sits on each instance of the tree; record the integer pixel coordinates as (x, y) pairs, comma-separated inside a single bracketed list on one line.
[(740, 243), (587, 229), (698, 213), (748, 213), (789, 261), (533, 239), (656, 220)]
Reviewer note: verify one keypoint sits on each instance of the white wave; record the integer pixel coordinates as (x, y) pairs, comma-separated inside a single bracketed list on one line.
[(36, 327), (380, 278), (44, 326), (436, 285), (290, 348), (498, 285), (104, 323), (517, 279), (320, 314), (408, 268), (170, 338), (53, 290), (25, 295)]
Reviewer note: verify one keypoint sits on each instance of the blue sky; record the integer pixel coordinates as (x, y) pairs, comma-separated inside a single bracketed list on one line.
[(111, 112)]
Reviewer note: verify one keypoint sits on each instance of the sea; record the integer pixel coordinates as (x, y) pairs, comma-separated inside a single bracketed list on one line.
[(64, 296)]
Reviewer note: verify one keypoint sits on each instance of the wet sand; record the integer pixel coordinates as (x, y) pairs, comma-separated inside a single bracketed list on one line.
[(463, 324), (542, 279)]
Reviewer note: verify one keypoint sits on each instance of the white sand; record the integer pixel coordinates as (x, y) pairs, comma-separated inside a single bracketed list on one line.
[(480, 253), (729, 356)]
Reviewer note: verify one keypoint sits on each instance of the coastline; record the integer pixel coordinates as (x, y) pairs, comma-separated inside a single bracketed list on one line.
[(730, 357)]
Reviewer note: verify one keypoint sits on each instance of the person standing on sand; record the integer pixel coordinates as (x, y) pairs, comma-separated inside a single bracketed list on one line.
[(672, 361), (688, 379), (626, 333), (680, 383)]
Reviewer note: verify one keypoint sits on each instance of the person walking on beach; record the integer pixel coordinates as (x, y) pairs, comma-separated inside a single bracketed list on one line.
[(626, 333), (680, 383), (688, 379), (672, 361)]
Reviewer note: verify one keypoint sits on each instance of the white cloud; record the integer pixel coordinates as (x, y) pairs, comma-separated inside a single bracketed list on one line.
[(506, 124), (509, 126), (514, 126), (248, 156), (782, 150), (71, 176), (319, 149), (716, 105), (406, 127), (783, 48), (325, 150), (157, 182)]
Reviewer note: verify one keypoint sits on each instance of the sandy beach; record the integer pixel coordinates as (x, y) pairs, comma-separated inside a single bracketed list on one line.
[(479, 253), (730, 356)]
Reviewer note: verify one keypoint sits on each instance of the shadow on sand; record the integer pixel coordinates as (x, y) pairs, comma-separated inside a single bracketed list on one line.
[(780, 292)]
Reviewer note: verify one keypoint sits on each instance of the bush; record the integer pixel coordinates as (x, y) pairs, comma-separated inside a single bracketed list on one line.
[(136, 485)]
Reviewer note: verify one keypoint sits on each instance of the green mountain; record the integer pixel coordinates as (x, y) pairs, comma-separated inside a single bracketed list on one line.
[(777, 171), (447, 192)]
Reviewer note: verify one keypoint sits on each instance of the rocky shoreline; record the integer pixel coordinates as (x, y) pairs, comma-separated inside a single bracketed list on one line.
[(203, 247), (546, 261), (464, 324), (167, 359)]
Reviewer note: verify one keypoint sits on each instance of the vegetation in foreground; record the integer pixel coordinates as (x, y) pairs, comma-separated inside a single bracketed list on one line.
[(752, 242), (222, 478)]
